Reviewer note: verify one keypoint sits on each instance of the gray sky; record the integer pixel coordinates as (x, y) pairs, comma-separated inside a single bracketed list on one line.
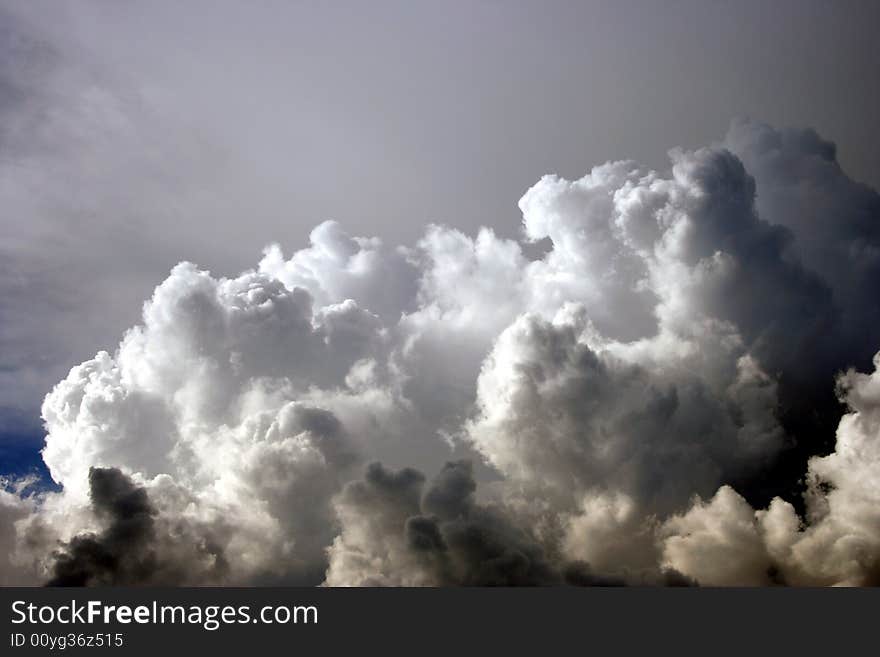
[(140, 134), (385, 115)]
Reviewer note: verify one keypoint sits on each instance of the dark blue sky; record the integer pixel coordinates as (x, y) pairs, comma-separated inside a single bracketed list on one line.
[(20, 456)]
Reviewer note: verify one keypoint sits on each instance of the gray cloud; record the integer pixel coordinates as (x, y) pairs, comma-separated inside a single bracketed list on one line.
[(436, 537), (135, 545), (122, 552)]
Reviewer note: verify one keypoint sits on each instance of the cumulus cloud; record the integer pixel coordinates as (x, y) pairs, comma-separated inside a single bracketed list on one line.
[(557, 412), (612, 411), (207, 403), (337, 267)]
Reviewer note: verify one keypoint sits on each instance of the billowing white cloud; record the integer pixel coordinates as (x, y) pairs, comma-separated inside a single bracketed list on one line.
[(337, 267), (207, 405), (665, 368)]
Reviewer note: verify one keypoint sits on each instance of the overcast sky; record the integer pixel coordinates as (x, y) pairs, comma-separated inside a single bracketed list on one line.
[(384, 115), (638, 381)]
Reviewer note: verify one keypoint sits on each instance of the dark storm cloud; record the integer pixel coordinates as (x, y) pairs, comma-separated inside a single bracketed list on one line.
[(832, 228), (123, 553), (833, 221), (133, 548), (440, 536)]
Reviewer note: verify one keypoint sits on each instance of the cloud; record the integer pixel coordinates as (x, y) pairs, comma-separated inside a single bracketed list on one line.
[(610, 411), (208, 404), (835, 234), (337, 267), (395, 533), (725, 541), (557, 412), (803, 188), (14, 509), (136, 544), (121, 554), (720, 543)]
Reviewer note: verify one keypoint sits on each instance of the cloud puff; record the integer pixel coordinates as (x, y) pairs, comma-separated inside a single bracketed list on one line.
[(337, 267), (396, 533), (209, 353), (628, 398), (725, 541), (560, 413), (207, 403), (122, 552)]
